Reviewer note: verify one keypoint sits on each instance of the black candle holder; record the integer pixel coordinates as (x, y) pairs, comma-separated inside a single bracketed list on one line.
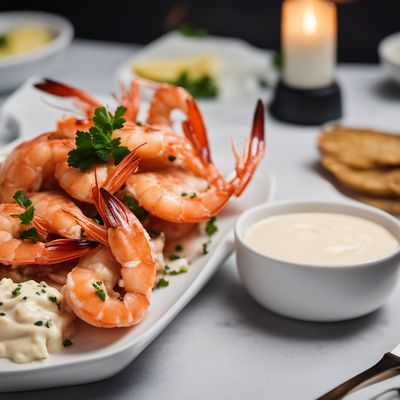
[(306, 106)]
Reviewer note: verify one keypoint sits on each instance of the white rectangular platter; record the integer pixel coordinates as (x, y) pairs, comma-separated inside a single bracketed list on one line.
[(100, 353)]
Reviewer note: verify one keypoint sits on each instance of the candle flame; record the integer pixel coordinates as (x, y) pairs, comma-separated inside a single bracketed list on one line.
[(309, 21)]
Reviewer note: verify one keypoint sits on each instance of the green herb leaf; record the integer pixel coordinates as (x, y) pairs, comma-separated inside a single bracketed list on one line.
[(211, 226), (26, 217), (205, 247), (2, 314), (99, 290), (17, 291), (20, 198), (38, 323), (173, 257), (182, 270), (204, 87), (162, 283), (31, 234), (154, 234), (54, 300), (97, 145), (67, 343), (188, 29), (134, 206)]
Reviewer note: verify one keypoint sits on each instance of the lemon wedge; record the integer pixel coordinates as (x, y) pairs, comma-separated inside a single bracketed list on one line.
[(170, 69)]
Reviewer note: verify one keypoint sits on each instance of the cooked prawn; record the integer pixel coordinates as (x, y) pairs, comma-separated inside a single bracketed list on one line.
[(91, 297), (17, 251), (50, 206), (179, 196), (31, 165)]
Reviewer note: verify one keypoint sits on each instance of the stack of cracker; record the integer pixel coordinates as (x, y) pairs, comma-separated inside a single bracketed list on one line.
[(365, 162)]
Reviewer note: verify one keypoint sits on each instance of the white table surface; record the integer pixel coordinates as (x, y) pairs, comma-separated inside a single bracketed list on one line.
[(223, 345)]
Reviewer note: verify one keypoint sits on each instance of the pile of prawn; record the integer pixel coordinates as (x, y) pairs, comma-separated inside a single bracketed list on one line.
[(107, 271)]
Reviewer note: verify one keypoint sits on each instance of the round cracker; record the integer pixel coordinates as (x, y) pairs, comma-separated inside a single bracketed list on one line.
[(360, 148), (374, 182)]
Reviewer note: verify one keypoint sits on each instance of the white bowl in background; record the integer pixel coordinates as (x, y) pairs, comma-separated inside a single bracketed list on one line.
[(15, 69), (389, 54), (312, 292)]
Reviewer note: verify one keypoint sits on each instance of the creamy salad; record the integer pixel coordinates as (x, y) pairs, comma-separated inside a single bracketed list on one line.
[(33, 321)]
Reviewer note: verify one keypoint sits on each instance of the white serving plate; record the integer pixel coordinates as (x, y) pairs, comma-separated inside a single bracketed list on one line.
[(15, 69), (242, 64), (101, 353)]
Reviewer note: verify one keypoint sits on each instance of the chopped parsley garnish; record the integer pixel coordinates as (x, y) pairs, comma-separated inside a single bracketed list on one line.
[(31, 234), (178, 247), (193, 195), (134, 206), (54, 300), (205, 247), (120, 298), (97, 145), (173, 257), (154, 234), (184, 194), (67, 343), (47, 323), (181, 270), (171, 158), (99, 290), (43, 291), (138, 123), (187, 29), (17, 291), (3, 41), (24, 298), (2, 314), (1, 303), (26, 217), (38, 293), (211, 226), (162, 283), (203, 87)]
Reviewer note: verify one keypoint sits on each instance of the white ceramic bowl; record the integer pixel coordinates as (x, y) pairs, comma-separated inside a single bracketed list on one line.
[(16, 69), (389, 54), (312, 292)]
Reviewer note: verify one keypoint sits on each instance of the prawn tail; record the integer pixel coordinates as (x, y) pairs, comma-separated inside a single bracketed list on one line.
[(65, 249), (86, 101), (41, 227), (196, 132), (114, 212), (130, 99), (126, 167), (247, 163), (93, 230)]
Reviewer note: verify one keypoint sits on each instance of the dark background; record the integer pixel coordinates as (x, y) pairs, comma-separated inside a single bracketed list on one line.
[(362, 23)]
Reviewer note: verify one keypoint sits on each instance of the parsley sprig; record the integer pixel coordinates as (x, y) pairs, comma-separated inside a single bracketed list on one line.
[(98, 145), (26, 217)]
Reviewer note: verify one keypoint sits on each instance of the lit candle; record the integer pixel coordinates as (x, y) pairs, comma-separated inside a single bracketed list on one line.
[(308, 43)]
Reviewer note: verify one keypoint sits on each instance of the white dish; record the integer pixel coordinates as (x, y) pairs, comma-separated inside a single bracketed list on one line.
[(243, 64), (16, 69), (313, 292), (101, 353), (389, 53)]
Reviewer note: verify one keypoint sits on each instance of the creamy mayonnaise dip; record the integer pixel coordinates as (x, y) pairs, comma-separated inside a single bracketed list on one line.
[(32, 321), (320, 239)]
